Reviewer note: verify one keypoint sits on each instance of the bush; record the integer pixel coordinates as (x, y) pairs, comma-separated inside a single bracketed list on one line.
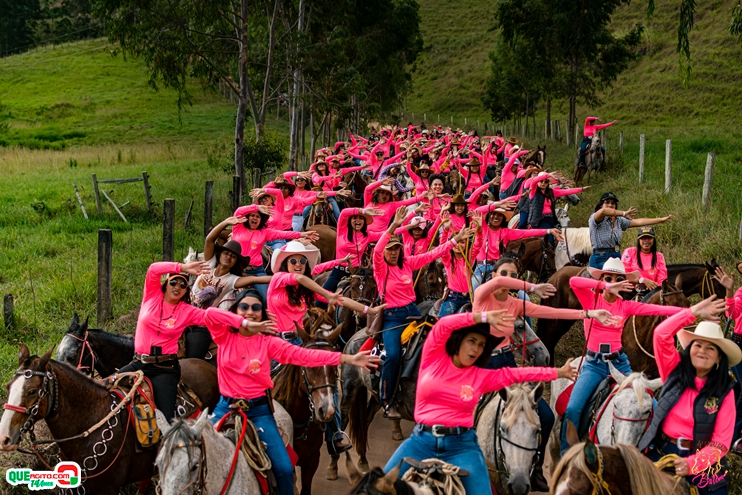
[(267, 154)]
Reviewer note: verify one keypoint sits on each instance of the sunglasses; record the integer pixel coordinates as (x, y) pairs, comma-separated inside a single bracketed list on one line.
[(174, 282), (609, 279), (294, 261), (256, 308), (505, 273)]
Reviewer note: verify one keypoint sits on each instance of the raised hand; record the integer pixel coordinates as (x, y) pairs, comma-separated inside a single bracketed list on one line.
[(235, 220), (388, 181), (603, 316), (196, 268), (557, 235), (400, 215), (265, 209), (544, 291), (311, 234), (267, 327), (630, 213), (374, 212), (617, 287), (724, 279), (567, 371), (254, 193), (465, 233), (709, 308), (499, 318)]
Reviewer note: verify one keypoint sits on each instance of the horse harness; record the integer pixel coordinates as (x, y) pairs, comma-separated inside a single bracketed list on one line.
[(599, 484), (85, 346), (310, 389), (200, 482), (49, 388), (594, 428), (500, 464)]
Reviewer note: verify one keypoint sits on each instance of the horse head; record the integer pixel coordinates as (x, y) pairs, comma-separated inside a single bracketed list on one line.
[(541, 155), (633, 406), (31, 397), (518, 437), (562, 216), (709, 281), (180, 459), (537, 352), (72, 349)]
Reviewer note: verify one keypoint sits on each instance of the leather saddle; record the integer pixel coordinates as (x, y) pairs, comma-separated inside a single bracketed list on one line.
[(592, 406)]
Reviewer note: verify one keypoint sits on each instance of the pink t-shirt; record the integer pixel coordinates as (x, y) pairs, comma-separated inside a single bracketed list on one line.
[(447, 395), (161, 323), (382, 222), (343, 246), (735, 310), (591, 129), (244, 362), (457, 270), (487, 241), (679, 422), (396, 284), (584, 289), (658, 274), (252, 241), (278, 302)]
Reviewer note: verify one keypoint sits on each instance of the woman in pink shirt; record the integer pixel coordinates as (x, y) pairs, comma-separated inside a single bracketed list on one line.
[(419, 178), (450, 383), (474, 176), (589, 131), (417, 232), (393, 274), (695, 412), (645, 259), (163, 317), (457, 271), (379, 195), (510, 171), (246, 348), (604, 341), (542, 202)]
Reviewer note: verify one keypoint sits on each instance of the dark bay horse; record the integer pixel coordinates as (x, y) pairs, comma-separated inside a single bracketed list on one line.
[(357, 185), (533, 254), (361, 288), (307, 394), (430, 282), (326, 243), (696, 279), (70, 402)]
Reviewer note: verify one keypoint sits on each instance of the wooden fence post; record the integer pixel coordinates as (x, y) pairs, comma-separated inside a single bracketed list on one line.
[(105, 264), (620, 143), (147, 193), (577, 135), (97, 196), (425, 117), (668, 166), (236, 196), (8, 312), (558, 130), (707, 179), (208, 206), (187, 219), (641, 158), (551, 126), (79, 200), (168, 230), (740, 230)]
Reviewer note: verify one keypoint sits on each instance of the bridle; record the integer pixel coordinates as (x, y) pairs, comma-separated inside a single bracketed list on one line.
[(544, 262), (49, 389), (200, 481), (500, 464), (85, 346), (594, 430), (309, 389)]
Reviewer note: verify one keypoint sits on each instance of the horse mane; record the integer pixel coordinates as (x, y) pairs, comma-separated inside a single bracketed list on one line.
[(519, 403), (370, 479), (179, 433), (645, 477), (285, 383), (685, 266), (77, 377), (638, 383), (651, 294), (578, 240), (115, 337)]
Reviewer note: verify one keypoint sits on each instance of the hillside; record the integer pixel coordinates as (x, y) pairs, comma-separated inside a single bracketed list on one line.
[(449, 75)]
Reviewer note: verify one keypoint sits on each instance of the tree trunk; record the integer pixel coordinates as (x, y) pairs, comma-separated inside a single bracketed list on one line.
[(260, 117), (548, 117), (244, 93), (527, 112), (295, 117)]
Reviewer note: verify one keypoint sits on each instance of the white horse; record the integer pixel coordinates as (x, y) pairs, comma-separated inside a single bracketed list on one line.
[(576, 241), (594, 159), (186, 444), (508, 431), (625, 415)]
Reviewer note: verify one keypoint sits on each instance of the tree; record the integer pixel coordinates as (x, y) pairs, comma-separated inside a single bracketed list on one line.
[(18, 20)]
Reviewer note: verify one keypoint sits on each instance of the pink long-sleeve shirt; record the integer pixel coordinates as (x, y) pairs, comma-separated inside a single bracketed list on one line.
[(679, 422), (244, 362), (382, 222), (344, 247), (412, 246), (396, 284), (558, 193), (446, 394), (457, 270), (252, 241), (161, 323), (591, 129), (421, 186), (278, 302), (585, 290), (485, 300), (508, 176), (487, 241), (735, 310), (658, 274)]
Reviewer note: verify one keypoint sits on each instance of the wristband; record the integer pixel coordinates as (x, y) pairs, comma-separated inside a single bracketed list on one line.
[(454, 242), (623, 214), (244, 322), (641, 280), (483, 316), (533, 288), (548, 231), (587, 314), (365, 310)]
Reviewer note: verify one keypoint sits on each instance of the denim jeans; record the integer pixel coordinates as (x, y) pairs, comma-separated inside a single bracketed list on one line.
[(597, 260), (654, 455), (544, 412), (395, 321), (333, 205), (592, 373), (265, 423), (460, 450), (523, 218), (336, 275), (548, 222), (297, 222), (503, 195), (482, 273), (583, 146), (261, 288), (277, 244), (453, 303)]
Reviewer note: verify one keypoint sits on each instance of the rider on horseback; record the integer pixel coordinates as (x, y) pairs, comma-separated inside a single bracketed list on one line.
[(645, 258), (590, 129)]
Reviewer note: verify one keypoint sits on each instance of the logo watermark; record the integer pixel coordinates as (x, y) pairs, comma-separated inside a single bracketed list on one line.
[(65, 475)]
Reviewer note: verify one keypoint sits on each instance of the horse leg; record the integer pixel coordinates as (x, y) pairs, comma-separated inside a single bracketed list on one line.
[(371, 410), (309, 468), (331, 473), (397, 430)]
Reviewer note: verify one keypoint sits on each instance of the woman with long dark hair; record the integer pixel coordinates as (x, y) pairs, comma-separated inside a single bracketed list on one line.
[(695, 412), (450, 382), (542, 203), (645, 259)]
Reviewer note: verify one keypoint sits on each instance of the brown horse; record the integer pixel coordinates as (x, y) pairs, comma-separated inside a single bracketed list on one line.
[(320, 214), (357, 184), (326, 243), (430, 282), (621, 469), (308, 394), (361, 288), (696, 279), (533, 254)]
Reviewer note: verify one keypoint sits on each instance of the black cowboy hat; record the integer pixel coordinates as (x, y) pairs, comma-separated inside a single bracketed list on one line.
[(291, 187), (235, 248), (605, 197)]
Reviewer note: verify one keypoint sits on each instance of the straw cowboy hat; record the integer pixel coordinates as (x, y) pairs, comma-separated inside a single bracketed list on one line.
[(508, 214), (262, 195), (423, 166), (310, 252), (291, 187), (711, 332), (459, 200), (473, 161), (613, 266), (369, 218)]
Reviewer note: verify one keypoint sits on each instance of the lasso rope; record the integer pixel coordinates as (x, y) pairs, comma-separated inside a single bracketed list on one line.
[(636, 338), (252, 450), (668, 461), (451, 485)]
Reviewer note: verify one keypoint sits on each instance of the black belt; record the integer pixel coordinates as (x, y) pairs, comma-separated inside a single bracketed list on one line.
[(680, 443), (287, 335), (602, 356), (441, 431), (606, 250), (246, 404), (162, 359)]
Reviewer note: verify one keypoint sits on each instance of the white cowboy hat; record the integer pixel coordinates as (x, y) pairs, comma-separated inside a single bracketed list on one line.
[(711, 332), (612, 265), (542, 176), (386, 188), (310, 252)]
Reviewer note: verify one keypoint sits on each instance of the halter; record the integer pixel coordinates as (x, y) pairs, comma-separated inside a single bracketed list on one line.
[(312, 388), (85, 346), (599, 484), (49, 388), (544, 261), (500, 464), (200, 481)]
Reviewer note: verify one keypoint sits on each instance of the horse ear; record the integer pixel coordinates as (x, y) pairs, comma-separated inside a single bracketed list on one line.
[(590, 451), (23, 354), (46, 357), (305, 337), (653, 385), (162, 422), (522, 250), (537, 392), (504, 394), (617, 375), (386, 483), (75, 322), (202, 421), (354, 476), (572, 437), (332, 338), (84, 326)]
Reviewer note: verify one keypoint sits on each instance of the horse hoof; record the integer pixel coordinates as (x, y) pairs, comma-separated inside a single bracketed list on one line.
[(363, 467), (331, 474), (397, 435)]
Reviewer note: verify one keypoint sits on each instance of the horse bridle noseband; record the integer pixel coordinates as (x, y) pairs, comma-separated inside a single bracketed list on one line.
[(312, 388), (200, 482), (85, 346), (49, 389), (500, 464)]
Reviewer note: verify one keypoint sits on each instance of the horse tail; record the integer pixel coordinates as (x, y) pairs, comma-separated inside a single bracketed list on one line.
[(358, 420)]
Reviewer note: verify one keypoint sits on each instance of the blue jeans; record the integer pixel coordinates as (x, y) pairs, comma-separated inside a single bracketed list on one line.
[(261, 288), (655, 456), (592, 373), (460, 450), (597, 260), (265, 423), (336, 275), (297, 222), (544, 412), (583, 146), (548, 222), (453, 303), (395, 321), (277, 244), (523, 218), (482, 273), (503, 195), (333, 205)]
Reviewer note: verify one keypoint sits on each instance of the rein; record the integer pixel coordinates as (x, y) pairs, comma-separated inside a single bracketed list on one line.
[(633, 321), (200, 482), (85, 346), (599, 484)]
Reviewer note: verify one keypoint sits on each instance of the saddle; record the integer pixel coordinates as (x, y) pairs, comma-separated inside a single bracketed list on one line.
[(592, 407)]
